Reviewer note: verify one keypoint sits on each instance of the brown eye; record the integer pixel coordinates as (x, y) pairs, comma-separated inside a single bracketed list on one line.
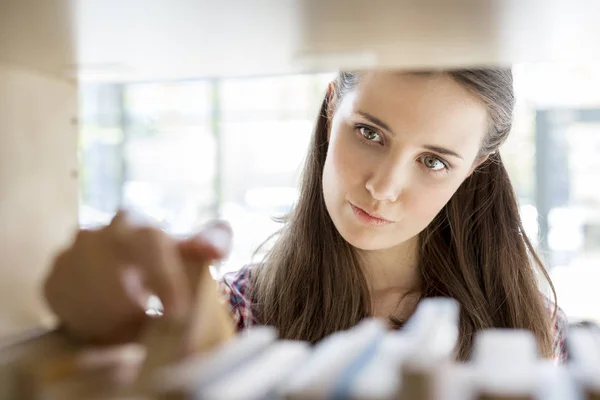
[(433, 163), (369, 134)]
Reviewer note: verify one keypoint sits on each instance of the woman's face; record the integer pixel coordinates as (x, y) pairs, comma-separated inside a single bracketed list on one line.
[(400, 145)]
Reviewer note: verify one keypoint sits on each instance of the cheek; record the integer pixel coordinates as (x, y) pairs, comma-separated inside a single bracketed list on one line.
[(425, 201), (344, 166)]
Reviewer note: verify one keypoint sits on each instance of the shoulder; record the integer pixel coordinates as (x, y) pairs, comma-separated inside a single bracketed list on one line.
[(235, 288), (559, 329)]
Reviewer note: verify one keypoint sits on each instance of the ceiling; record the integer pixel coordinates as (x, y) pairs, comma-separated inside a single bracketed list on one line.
[(133, 40)]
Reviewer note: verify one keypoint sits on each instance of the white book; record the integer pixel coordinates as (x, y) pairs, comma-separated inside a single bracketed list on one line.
[(433, 330), (505, 363), (261, 377), (379, 378), (432, 333), (333, 361), (189, 374), (556, 382), (584, 351), (370, 368)]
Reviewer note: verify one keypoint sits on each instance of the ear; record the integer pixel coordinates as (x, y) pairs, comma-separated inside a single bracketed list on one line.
[(331, 104)]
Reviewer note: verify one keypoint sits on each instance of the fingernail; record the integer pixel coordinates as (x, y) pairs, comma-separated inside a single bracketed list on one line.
[(137, 218)]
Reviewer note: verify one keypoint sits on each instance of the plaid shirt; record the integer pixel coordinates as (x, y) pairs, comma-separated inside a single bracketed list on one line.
[(234, 287)]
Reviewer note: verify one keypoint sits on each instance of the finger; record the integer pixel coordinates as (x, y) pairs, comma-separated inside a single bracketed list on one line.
[(131, 218), (157, 255), (165, 272), (132, 282), (213, 242), (110, 355), (97, 273)]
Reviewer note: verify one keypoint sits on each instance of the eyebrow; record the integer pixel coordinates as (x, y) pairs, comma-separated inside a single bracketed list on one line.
[(375, 120), (442, 150), (437, 149)]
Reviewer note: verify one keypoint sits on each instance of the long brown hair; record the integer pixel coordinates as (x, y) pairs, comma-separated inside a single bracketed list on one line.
[(311, 283)]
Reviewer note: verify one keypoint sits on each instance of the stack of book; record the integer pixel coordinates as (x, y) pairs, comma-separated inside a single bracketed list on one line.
[(366, 362)]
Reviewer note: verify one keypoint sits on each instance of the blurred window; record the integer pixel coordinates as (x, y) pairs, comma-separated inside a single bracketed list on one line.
[(186, 152)]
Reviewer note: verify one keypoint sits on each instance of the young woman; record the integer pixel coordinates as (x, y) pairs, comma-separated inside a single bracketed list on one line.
[(404, 195)]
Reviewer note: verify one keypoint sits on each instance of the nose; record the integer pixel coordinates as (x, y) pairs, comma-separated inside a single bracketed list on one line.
[(387, 181)]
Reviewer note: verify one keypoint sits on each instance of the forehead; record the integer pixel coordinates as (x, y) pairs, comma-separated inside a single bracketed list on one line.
[(431, 107)]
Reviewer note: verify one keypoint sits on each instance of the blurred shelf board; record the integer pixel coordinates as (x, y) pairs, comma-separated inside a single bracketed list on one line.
[(429, 33), (124, 40)]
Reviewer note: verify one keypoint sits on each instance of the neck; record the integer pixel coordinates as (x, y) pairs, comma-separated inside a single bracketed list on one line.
[(394, 280), (394, 269)]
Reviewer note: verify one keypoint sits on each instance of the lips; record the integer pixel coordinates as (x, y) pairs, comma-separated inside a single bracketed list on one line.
[(369, 218)]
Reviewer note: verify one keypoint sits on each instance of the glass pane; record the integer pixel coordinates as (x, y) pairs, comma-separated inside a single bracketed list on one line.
[(552, 99), (261, 168), (159, 105), (100, 175), (170, 177), (266, 127), (574, 235), (170, 153), (100, 141), (288, 96)]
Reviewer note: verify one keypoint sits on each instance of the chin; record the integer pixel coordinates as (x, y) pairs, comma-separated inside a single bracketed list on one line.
[(363, 239)]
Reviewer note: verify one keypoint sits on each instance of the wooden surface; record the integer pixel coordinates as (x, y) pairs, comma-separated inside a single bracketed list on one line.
[(38, 187), (116, 40), (441, 33)]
